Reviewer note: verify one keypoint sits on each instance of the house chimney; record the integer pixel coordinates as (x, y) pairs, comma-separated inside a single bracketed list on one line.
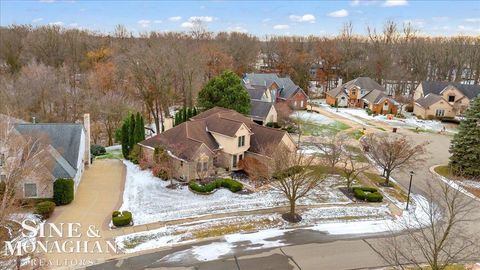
[(86, 124)]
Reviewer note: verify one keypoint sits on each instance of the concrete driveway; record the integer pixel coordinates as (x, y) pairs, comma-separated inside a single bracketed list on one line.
[(99, 194)]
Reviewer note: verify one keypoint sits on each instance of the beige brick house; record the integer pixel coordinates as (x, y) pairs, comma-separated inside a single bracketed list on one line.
[(216, 138), (443, 99)]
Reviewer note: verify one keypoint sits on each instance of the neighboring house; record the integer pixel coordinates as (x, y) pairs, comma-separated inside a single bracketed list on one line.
[(216, 138), (272, 88), (443, 99), (263, 112), (362, 92), (69, 150)]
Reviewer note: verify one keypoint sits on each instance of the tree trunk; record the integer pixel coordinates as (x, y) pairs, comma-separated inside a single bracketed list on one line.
[(387, 177), (292, 209)]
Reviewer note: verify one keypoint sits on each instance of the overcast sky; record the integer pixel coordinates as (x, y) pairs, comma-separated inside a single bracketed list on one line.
[(260, 18)]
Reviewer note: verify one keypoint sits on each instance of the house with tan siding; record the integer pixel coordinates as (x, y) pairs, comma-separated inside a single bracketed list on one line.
[(362, 92), (443, 99), (216, 138)]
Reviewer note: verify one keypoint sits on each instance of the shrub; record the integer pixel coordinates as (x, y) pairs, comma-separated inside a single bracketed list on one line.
[(122, 219), (369, 112), (160, 172), (45, 209), (374, 197), (290, 129), (63, 191), (116, 214), (369, 194), (97, 150), (134, 155), (232, 185), (273, 125)]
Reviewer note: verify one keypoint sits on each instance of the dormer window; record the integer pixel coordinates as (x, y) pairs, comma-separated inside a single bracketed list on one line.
[(241, 141), (451, 98)]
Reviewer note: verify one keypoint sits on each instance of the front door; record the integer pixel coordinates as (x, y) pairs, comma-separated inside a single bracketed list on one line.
[(234, 161)]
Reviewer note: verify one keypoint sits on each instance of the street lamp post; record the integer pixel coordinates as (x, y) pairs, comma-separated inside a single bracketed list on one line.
[(409, 188)]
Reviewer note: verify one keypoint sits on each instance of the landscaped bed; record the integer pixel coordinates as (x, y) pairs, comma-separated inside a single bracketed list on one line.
[(149, 200)]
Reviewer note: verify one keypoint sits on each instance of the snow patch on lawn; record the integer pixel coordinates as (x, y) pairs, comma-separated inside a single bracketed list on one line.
[(459, 187), (148, 198), (313, 117), (258, 239)]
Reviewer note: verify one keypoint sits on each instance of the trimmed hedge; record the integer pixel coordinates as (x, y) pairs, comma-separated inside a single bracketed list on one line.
[(369, 194), (232, 185), (122, 219), (63, 191), (97, 150), (45, 209)]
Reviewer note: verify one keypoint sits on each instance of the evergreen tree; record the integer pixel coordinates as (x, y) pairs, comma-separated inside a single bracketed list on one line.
[(131, 132), (124, 137), (194, 111), (465, 147), (225, 91), (189, 113), (184, 113), (142, 130), (138, 128)]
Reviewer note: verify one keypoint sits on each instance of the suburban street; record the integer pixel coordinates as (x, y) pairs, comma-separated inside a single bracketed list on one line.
[(305, 249)]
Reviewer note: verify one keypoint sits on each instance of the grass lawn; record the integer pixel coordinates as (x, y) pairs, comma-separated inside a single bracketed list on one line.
[(443, 170), (356, 134), (314, 129), (114, 154), (397, 192)]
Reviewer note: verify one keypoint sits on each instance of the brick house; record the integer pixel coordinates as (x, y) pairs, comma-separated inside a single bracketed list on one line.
[(269, 87), (362, 92), (216, 138)]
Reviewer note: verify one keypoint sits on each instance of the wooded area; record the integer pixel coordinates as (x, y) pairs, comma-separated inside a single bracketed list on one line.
[(57, 74)]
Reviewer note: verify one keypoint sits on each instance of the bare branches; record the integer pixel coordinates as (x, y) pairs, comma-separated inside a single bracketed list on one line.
[(391, 152), (436, 233)]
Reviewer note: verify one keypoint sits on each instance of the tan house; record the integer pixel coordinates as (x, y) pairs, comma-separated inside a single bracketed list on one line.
[(217, 138), (362, 92), (68, 153), (443, 99)]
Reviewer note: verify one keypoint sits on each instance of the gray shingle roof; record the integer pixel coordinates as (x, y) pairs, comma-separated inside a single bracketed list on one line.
[(434, 87), (287, 86), (429, 100), (64, 138), (364, 83), (375, 96), (260, 108)]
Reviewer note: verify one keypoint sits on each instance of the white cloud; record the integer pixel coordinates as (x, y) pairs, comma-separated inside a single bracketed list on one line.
[(175, 18), (187, 25), (395, 3), (144, 23), (418, 23), (281, 26), (37, 20), (201, 18), (473, 20), (56, 23), (157, 21), (191, 21), (305, 18), (339, 13), (237, 29), (363, 2)]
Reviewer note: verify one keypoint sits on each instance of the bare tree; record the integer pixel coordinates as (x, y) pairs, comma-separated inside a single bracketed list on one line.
[(292, 174), (332, 148), (351, 167), (393, 151), (436, 233)]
